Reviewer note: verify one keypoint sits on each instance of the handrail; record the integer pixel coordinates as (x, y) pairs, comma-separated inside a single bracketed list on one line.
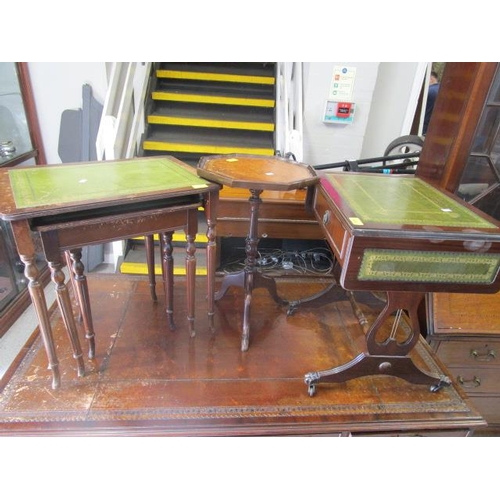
[(138, 123), (123, 111), (406, 167), (289, 109), (122, 120)]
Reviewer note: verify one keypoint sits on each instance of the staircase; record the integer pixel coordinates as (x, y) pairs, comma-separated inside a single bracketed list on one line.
[(198, 109)]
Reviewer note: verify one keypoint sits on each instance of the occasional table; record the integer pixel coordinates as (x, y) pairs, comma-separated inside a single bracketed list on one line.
[(256, 174), (79, 204), (401, 236)]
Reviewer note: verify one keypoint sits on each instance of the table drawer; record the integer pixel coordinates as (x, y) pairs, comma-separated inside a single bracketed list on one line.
[(230, 208), (300, 230), (336, 234), (470, 353)]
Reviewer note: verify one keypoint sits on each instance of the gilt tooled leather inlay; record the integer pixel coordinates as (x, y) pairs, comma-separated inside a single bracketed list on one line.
[(428, 267), (446, 401), (402, 201), (41, 186)]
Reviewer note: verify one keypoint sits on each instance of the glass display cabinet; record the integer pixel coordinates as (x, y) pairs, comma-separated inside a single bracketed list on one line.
[(20, 144)]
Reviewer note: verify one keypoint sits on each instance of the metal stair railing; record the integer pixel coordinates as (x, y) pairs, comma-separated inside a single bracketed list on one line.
[(289, 109), (122, 121), (378, 165)]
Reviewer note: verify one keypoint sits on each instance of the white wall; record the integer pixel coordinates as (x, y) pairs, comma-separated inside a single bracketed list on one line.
[(58, 86), (393, 107), (331, 142), (385, 95)]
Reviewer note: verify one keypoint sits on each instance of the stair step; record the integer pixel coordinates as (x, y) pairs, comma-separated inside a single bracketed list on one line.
[(215, 88), (142, 269), (176, 237), (215, 77), (202, 97), (191, 159), (205, 108), (213, 116), (205, 141), (256, 69), (231, 89), (204, 149)]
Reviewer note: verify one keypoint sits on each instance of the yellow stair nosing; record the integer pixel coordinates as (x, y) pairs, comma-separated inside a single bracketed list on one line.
[(200, 238), (204, 148), (142, 268), (197, 122), (216, 77), (208, 99)]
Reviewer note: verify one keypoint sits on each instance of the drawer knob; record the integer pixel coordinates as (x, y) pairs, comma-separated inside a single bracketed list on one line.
[(326, 217), (486, 355), (475, 382)]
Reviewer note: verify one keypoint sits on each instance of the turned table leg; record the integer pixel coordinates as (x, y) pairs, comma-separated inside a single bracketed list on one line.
[(168, 275), (38, 299), (250, 278), (83, 298), (26, 251), (150, 259), (211, 253), (64, 303), (191, 230)]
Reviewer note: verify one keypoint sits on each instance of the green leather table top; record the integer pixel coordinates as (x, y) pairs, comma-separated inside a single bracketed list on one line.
[(397, 200), (66, 184)]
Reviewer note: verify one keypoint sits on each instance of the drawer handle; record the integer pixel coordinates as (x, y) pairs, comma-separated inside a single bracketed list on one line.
[(326, 217), (475, 382), (488, 355)]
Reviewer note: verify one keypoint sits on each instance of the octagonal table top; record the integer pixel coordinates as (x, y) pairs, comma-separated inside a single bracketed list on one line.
[(257, 172)]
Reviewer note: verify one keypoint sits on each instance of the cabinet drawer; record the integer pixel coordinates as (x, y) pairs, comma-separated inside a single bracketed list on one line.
[(476, 380), (470, 353), (488, 407), (419, 433)]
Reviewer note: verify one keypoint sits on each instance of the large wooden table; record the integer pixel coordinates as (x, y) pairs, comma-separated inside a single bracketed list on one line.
[(402, 237), (149, 385), (79, 204)]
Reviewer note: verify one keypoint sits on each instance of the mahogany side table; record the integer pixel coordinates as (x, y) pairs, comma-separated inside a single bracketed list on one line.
[(255, 173), (400, 235), (79, 204)]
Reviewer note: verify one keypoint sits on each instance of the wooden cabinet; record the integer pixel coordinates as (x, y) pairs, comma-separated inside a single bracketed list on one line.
[(282, 215), (461, 155), (465, 334)]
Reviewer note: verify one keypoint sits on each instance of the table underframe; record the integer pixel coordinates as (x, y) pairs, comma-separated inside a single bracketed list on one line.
[(79, 230)]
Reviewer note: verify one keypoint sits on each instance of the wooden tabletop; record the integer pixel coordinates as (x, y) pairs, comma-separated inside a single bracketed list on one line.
[(401, 202), (257, 172), (54, 189)]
